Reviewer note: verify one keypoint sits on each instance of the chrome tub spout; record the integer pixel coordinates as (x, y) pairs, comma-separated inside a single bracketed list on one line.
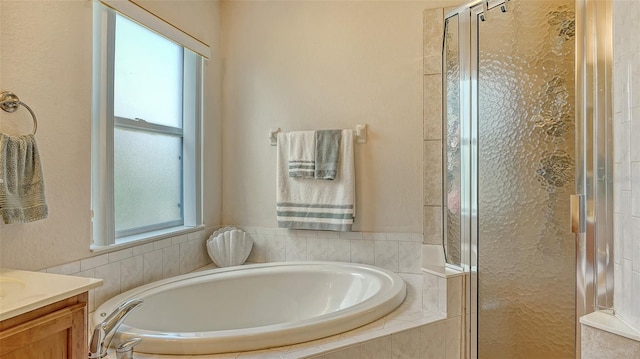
[(104, 332)]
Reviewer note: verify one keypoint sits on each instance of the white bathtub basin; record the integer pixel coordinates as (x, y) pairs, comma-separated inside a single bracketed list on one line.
[(255, 306)]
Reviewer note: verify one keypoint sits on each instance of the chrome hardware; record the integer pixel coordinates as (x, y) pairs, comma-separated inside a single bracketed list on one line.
[(9, 102), (578, 223), (504, 7), (124, 350), (103, 333), (485, 10), (360, 134), (273, 135)]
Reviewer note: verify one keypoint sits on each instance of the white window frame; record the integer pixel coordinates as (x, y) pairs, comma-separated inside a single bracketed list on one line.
[(104, 122)]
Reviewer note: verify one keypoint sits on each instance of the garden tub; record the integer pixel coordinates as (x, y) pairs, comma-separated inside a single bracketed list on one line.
[(255, 306)]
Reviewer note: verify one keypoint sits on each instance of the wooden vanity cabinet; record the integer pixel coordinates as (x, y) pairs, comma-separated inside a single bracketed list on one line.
[(55, 331)]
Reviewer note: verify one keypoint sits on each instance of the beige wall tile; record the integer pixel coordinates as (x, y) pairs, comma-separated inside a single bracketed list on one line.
[(376, 349), (406, 344), (598, 344), (432, 173), (433, 25), (433, 341), (352, 352), (453, 343), (433, 107), (131, 273), (433, 64), (433, 225)]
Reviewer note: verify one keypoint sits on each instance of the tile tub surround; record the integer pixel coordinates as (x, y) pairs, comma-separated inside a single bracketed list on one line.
[(417, 326), (428, 324), (128, 268), (397, 252), (443, 292), (409, 332), (598, 344), (605, 336)]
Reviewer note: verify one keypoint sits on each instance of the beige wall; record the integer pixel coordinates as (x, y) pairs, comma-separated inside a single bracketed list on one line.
[(325, 64), (45, 58), (294, 65)]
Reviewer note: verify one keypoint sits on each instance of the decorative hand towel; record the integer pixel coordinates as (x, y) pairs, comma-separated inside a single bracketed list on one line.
[(327, 154), (21, 182), (311, 204), (302, 154)]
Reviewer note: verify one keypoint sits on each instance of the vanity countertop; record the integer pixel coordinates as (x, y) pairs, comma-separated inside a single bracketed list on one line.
[(23, 291)]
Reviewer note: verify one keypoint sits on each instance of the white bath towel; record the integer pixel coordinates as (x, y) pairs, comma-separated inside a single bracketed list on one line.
[(21, 182), (316, 204), (302, 145)]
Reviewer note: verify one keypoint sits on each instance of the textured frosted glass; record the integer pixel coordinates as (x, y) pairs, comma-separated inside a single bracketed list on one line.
[(148, 178), (526, 263), (147, 75), (452, 140)]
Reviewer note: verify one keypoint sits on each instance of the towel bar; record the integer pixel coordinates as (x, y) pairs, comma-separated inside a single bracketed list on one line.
[(9, 102), (360, 134)]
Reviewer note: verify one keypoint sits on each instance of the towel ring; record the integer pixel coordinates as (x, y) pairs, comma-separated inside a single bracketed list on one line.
[(9, 102)]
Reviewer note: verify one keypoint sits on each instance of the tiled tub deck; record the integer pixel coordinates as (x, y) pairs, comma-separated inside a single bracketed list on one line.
[(426, 325)]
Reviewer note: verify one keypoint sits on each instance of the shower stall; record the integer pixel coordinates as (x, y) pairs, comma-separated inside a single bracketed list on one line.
[(521, 156)]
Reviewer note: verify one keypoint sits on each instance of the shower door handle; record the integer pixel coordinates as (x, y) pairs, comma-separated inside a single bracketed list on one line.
[(578, 222)]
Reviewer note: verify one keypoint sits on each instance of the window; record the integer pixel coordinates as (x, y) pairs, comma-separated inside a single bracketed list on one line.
[(146, 119)]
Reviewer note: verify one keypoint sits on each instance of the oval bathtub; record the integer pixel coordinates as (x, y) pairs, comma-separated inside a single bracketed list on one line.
[(255, 306)]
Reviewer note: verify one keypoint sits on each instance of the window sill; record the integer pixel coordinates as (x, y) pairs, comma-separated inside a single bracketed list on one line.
[(139, 239)]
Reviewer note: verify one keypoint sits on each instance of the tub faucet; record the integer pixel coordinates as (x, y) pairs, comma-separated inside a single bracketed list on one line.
[(104, 332), (124, 350)]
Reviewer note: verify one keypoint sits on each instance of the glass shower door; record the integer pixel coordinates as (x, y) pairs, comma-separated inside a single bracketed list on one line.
[(523, 152)]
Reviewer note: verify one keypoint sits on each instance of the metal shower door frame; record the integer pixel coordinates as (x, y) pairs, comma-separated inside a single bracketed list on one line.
[(594, 158), (593, 163)]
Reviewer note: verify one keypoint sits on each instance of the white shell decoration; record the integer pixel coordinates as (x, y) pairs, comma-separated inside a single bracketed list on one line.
[(229, 246)]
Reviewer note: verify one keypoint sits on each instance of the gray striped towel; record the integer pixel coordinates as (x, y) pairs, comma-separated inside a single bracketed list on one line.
[(318, 205)]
